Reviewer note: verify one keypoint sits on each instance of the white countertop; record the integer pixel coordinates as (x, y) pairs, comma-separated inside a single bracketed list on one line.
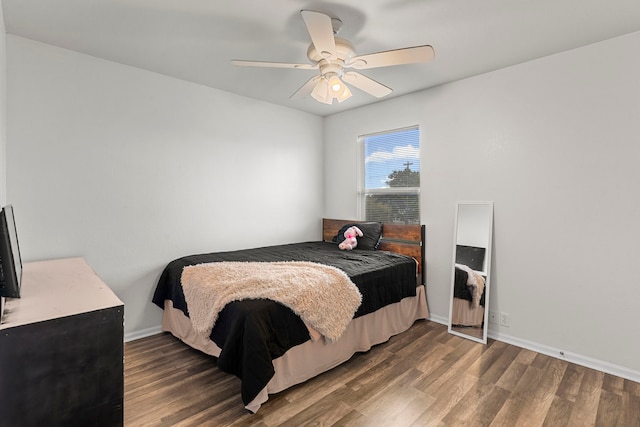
[(57, 288)]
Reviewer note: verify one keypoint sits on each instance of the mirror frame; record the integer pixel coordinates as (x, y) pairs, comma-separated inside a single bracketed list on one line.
[(487, 262)]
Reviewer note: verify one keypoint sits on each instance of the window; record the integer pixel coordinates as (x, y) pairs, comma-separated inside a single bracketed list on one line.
[(390, 189)]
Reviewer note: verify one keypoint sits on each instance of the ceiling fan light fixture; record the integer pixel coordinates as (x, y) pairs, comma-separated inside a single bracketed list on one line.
[(337, 88), (335, 85), (329, 88), (345, 94), (321, 92)]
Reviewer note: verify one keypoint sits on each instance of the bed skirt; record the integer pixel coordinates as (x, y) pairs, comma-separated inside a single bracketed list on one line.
[(312, 358), (462, 313)]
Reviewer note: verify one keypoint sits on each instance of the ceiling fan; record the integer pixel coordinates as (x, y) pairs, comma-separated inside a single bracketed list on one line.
[(333, 55)]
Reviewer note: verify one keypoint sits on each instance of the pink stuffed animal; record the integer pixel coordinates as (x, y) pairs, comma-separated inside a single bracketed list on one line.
[(350, 241)]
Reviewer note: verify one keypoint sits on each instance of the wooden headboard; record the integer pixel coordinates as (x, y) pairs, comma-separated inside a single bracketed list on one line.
[(406, 239)]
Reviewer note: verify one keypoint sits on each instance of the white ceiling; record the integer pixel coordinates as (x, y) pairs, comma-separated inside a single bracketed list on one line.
[(194, 40)]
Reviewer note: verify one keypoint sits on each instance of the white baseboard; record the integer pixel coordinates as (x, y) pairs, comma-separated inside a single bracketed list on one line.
[(439, 319), (136, 335), (578, 359)]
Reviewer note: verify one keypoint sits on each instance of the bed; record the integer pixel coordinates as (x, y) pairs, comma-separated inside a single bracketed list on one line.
[(268, 345)]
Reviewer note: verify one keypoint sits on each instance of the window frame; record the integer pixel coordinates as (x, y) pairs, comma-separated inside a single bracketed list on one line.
[(362, 190)]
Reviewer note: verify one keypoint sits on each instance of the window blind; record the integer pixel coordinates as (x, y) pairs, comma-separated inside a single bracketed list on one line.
[(390, 188)]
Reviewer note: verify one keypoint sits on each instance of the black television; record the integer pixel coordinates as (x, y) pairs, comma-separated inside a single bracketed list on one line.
[(10, 261)]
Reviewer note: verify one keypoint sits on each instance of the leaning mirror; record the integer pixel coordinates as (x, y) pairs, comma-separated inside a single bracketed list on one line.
[(469, 309)]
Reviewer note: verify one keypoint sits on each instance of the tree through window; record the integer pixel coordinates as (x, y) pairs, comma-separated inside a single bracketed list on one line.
[(391, 184)]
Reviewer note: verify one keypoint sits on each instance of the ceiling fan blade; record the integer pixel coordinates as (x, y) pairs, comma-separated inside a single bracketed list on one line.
[(321, 32), (366, 84), (408, 55), (306, 88), (243, 63)]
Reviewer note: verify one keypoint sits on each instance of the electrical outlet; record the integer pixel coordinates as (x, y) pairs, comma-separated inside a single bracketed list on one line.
[(505, 319), (493, 317)]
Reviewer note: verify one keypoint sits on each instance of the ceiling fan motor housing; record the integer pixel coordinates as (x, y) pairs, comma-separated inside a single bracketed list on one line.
[(330, 62)]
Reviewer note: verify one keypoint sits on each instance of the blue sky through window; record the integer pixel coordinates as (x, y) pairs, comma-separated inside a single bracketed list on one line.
[(387, 152)]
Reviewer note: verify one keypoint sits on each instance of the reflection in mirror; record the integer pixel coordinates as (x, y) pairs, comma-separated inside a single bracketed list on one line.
[(468, 314)]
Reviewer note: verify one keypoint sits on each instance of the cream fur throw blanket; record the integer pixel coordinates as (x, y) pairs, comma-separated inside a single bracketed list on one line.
[(476, 284), (323, 296)]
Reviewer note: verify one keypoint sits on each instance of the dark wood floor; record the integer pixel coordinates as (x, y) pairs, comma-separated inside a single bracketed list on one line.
[(423, 377)]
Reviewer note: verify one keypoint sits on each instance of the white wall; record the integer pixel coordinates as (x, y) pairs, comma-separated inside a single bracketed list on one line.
[(3, 111), (555, 144), (131, 169)]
